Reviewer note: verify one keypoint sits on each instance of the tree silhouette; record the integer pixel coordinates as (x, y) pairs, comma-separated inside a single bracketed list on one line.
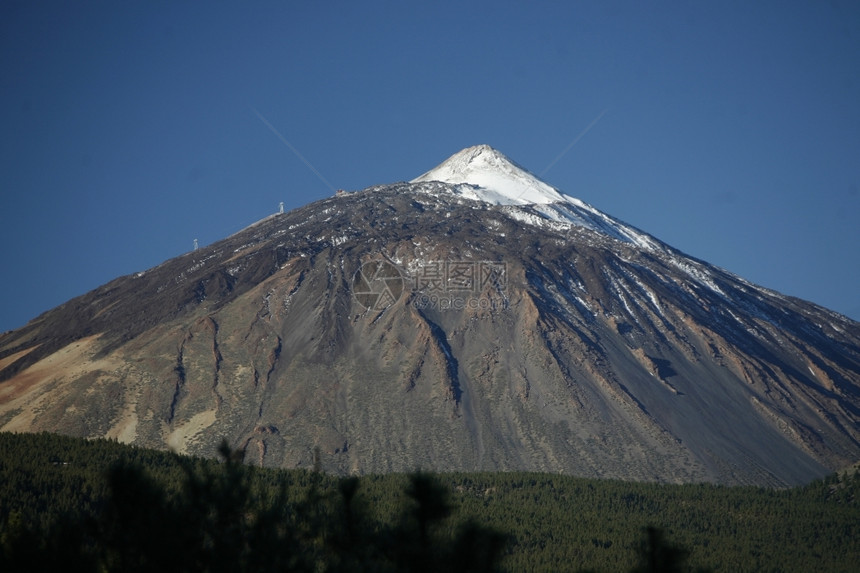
[(219, 521), (657, 555)]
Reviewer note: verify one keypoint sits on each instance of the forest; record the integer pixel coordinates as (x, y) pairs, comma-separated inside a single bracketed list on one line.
[(97, 505)]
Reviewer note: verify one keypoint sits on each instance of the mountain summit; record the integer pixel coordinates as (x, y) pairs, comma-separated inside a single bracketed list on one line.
[(494, 178), (474, 318), (485, 174)]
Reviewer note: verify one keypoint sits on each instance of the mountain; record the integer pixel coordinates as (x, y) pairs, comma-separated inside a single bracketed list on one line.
[(475, 318)]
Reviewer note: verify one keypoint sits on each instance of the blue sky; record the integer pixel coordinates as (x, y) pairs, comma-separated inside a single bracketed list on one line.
[(730, 130)]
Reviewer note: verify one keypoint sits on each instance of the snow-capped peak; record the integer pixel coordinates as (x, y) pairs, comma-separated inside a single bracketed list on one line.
[(495, 178), (484, 174)]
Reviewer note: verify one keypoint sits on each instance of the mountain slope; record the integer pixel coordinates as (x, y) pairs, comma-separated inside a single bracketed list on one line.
[(471, 319)]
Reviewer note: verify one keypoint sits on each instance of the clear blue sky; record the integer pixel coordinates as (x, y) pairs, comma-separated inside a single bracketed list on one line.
[(731, 129)]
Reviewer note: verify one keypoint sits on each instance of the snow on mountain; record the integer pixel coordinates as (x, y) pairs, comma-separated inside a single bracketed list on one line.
[(485, 174), (495, 178)]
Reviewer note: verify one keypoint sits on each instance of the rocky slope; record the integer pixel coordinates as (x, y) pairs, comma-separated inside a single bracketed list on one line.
[(480, 322)]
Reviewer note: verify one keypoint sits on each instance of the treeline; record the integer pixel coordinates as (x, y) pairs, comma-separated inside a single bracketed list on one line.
[(103, 506)]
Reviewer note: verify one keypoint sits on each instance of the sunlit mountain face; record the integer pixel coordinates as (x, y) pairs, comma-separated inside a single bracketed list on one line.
[(475, 318)]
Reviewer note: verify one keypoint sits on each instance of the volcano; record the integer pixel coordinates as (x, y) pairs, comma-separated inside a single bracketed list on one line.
[(474, 318)]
